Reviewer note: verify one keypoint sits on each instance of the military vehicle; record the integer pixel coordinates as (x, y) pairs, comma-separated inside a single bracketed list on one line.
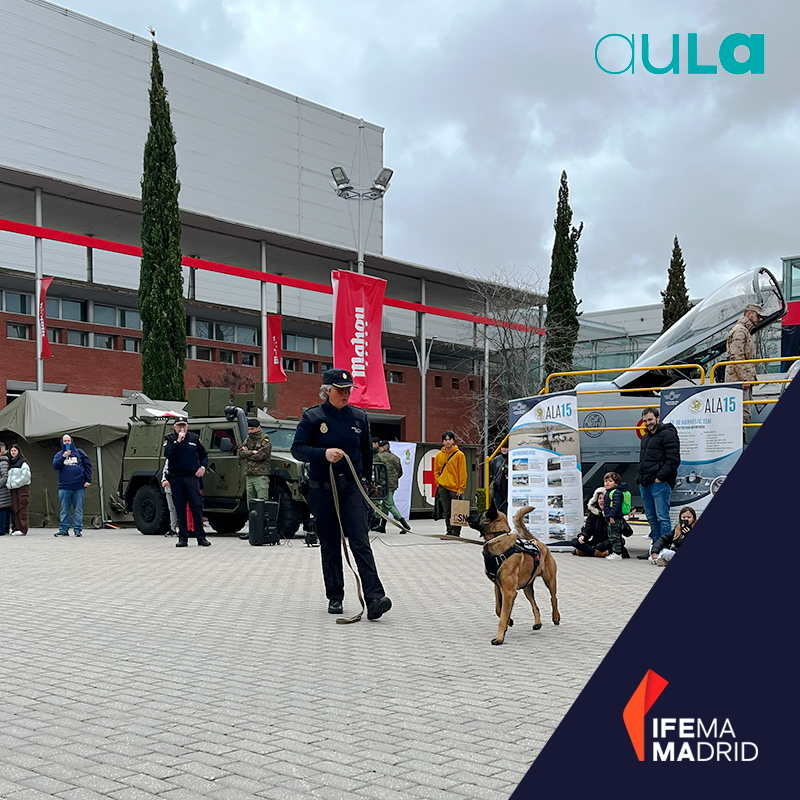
[(224, 486)]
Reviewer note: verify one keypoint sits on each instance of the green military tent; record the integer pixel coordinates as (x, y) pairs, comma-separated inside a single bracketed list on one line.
[(98, 424)]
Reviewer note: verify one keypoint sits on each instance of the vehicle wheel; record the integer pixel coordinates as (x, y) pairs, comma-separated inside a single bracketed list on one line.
[(290, 515), (226, 523), (150, 510)]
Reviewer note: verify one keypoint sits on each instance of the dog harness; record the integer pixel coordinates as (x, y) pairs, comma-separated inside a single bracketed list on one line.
[(493, 563)]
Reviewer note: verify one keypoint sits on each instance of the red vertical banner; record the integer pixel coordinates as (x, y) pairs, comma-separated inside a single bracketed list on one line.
[(275, 373), (42, 321), (357, 318)]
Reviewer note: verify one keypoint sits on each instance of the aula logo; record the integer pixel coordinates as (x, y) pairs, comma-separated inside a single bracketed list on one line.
[(753, 44)]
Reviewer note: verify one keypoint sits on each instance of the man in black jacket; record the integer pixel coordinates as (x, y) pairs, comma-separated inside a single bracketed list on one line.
[(187, 459), (659, 457)]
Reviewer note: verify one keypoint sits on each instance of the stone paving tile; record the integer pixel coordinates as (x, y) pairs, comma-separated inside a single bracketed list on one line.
[(117, 687)]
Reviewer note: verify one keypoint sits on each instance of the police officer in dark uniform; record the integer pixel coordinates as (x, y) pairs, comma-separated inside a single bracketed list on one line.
[(325, 433), (187, 460)]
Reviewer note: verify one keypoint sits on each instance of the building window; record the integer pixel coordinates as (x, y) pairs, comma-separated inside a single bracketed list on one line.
[(245, 335), (290, 364), (105, 315), (54, 335), (203, 329), (227, 356), (52, 308), (74, 310), (298, 344), (437, 381), (203, 354), (128, 318), (326, 365), (471, 384), (78, 338), (224, 333), (249, 360), (132, 345), (18, 303), (17, 331), (397, 377), (456, 383), (309, 366), (325, 347), (103, 341)]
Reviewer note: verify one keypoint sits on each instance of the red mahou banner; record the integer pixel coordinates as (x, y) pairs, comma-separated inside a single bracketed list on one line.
[(357, 317), (42, 322), (275, 373)]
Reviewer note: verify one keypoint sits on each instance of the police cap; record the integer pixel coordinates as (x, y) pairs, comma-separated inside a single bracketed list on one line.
[(340, 378)]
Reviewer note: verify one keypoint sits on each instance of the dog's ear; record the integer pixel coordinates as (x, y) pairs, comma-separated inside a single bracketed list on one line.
[(491, 512)]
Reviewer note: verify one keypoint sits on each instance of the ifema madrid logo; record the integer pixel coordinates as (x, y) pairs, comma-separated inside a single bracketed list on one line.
[(680, 738)]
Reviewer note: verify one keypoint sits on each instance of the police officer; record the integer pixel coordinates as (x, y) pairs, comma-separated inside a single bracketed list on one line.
[(255, 452), (187, 460), (325, 433)]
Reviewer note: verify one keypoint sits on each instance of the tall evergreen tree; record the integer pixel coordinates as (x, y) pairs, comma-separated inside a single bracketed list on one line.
[(161, 279), (561, 324), (675, 296)]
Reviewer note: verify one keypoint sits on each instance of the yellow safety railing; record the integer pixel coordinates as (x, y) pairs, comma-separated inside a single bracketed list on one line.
[(546, 389), (752, 361)]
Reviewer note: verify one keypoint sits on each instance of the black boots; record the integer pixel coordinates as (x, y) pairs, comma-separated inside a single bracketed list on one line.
[(382, 527), (203, 542), (406, 526), (182, 542)]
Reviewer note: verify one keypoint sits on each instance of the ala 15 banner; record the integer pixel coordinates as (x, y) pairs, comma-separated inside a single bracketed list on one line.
[(357, 317), (545, 465), (709, 424)]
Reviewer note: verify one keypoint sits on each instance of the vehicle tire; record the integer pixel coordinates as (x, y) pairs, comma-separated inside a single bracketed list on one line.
[(290, 515), (226, 523), (150, 510)]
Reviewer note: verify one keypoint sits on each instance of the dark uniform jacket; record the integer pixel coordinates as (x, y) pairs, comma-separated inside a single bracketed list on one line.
[(324, 426), (257, 458), (659, 456), (394, 468), (185, 457)]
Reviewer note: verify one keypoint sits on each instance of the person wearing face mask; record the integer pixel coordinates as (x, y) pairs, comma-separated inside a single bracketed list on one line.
[(74, 476), (324, 435), (664, 549)]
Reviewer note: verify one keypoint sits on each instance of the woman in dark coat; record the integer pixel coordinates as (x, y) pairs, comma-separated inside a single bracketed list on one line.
[(593, 539)]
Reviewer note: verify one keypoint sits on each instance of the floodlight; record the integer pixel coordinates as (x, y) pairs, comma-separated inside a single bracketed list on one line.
[(382, 181), (340, 178)]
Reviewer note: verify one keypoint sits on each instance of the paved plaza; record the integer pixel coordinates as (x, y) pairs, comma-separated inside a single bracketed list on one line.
[(135, 670)]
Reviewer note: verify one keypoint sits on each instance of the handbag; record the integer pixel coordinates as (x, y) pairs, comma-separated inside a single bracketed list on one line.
[(459, 511)]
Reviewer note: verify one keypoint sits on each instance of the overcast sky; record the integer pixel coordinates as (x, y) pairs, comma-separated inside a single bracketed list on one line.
[(485, 102)]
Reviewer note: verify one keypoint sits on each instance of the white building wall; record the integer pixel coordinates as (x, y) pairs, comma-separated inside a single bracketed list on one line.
[(74, 106)]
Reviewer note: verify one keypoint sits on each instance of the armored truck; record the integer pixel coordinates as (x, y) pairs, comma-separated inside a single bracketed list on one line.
[(224, 485)]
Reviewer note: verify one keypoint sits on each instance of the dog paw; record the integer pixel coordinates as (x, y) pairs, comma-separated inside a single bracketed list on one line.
[(497, 641), (556, 622), (537, 627), (510, 622)]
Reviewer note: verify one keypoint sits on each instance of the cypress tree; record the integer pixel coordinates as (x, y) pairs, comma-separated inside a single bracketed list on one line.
[(675, 296), (160, 297), (561, 323)]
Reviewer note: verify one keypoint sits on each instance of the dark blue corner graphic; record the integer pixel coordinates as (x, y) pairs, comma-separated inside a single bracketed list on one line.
[(720, 626)]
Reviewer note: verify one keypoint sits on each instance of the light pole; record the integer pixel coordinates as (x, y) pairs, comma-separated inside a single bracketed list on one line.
[(343, 186)]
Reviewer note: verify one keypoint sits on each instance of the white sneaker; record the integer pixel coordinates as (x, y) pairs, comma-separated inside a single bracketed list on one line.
[(17, 533), (612, 556)]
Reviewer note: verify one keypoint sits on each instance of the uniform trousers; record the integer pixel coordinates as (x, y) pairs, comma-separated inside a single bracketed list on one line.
[(356, 527), (186, 489)]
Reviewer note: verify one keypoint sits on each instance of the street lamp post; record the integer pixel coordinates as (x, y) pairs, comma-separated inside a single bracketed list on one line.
[(343, 187)]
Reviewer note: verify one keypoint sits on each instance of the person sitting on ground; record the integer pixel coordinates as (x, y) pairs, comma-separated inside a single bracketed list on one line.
[(616, 489), (664, 549), (593, 539)]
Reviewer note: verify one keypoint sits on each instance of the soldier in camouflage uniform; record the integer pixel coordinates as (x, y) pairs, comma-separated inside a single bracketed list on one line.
[(741, 346), (394, 470), (256, 452)]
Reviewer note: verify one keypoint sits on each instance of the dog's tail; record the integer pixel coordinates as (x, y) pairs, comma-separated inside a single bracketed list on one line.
[(519, 523)]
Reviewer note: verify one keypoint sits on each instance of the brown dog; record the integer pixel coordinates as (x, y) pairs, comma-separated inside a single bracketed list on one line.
[(515, 565)]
